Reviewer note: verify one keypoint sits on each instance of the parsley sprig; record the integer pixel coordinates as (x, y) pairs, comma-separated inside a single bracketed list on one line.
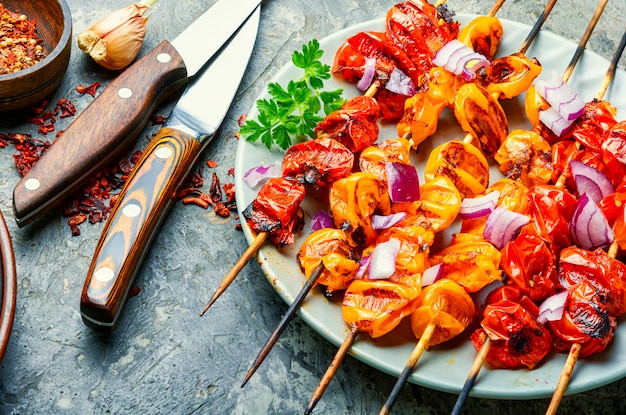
[(293, 112)]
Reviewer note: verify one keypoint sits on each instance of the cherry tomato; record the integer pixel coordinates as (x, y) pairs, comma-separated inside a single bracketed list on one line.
[(606, 274), (509, 76), (330, 248), (518, 339), (437, 208), (446, 305), (413, 257), (529, 265), (317, 162), (377, 307), (483, 34), (590, 128), (480, 115), (276, 210), (462, 163), (526, 156), (373, 158), (418, 28), (470, 261), (551, 209), (353, 200), (585, 321), (353, 125)]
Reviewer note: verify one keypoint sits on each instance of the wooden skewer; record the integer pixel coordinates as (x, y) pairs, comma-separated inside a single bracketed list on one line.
[(484, 350), (610, 73), (232, 274), (572, 357), (495, 8), (256, 243), (537, 27), (282, 324), (421, 345), (471, 377), (332, 369)]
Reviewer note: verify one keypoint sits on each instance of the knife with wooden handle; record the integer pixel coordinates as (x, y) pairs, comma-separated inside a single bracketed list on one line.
[(111, 123), (148, 194)]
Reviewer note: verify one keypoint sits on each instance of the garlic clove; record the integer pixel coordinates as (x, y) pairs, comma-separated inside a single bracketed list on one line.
[(114, 41)]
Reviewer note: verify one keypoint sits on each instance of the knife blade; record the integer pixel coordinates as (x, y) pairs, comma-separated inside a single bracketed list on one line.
[(148, 193), (111, 123)]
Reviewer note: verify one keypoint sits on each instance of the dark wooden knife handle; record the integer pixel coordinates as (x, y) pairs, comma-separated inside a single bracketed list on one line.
[(99, 135), (134, 221)]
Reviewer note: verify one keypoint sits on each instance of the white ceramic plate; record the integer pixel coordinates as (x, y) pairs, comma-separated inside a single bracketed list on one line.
[(443, 368)]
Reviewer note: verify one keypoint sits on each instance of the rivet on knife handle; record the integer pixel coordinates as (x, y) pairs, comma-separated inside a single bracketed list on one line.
[(99, 135), (133, 224)]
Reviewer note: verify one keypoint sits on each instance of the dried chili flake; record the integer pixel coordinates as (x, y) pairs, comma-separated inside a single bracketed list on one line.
[(89, 89), (212, 164), (30, 150), (242, 119), (158, 119), (221, 209), (231, 171), (134, 291), (41, 108), (201, 200), (20, 45), (136, 156), (229, 189), (76, 220), (65, 108), (215, 191)]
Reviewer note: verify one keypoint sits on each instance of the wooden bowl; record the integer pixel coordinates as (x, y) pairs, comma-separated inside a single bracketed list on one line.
[(8, 286), (30, 86)]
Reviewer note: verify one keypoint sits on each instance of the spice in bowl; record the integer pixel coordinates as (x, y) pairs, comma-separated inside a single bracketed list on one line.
[(20, 46)]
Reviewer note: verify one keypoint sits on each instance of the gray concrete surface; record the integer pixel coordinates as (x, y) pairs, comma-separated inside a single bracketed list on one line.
[(164, 358)]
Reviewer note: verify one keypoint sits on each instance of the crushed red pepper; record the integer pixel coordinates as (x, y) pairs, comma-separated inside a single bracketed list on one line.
[(90, 202), (20, 45), (89, 89)]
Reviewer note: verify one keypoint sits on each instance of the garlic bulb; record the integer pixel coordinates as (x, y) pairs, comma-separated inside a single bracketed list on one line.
[(114, 41)]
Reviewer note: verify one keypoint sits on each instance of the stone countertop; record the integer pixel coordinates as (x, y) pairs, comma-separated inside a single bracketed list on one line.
[(163, 357)]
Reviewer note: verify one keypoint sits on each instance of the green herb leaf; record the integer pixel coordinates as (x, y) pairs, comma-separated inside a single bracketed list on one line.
[(293, 111)]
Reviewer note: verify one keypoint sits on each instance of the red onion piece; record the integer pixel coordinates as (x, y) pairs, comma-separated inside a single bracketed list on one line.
[(260, 174), (382, 262), (400, 83), (361, 272), (432, 274), (460, 59), (368, 74), (380, 222), (552, 307), (590, 180), (554, 121), (503, 225), (561, 97), (477, 207), (321, 220), (589, 227), (402, 182)]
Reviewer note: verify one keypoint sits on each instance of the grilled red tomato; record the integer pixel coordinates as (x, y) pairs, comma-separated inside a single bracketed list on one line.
[(353, 125), (276, 210), (518, 339), (585, 321), (317, 162)]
